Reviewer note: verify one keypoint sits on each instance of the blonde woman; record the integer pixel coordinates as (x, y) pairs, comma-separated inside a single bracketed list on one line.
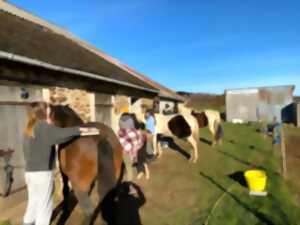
[(39, 137)]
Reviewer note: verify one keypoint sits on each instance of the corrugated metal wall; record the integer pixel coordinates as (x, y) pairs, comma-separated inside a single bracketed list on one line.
[(242, 105), (276, 102), (260, 104)]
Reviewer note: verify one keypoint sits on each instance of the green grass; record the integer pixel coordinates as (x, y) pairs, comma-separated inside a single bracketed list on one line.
[(5, 223), (180, 193)]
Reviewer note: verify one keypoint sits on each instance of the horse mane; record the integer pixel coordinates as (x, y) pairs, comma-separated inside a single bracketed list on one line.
[(66, 116)]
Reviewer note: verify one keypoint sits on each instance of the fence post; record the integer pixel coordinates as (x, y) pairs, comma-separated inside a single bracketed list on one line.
[(283, 152)]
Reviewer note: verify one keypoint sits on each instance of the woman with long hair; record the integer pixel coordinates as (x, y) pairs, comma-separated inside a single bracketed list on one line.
[(39, 137)]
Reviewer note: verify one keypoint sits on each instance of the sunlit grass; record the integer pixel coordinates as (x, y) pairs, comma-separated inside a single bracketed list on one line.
[(181, 193)]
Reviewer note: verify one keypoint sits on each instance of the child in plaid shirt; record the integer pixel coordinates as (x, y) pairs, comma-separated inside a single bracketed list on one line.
[(132, 141)]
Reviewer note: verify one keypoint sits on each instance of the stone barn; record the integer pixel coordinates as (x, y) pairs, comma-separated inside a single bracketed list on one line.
[(260, 104), (42, 62)]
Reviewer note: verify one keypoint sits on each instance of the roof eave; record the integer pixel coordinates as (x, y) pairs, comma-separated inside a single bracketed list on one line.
[(45, 65), (171, 98)]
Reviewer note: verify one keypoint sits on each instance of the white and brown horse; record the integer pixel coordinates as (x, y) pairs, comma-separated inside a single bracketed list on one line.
[(182, 125), (212, 119)]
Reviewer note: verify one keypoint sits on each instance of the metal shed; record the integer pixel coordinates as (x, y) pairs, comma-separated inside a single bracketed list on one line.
[(260, 104)]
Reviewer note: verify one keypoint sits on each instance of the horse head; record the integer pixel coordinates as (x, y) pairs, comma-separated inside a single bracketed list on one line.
[(64, 116), (183, 108)]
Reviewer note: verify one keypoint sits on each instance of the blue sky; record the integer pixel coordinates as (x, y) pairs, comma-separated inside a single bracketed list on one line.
[(199, 46)]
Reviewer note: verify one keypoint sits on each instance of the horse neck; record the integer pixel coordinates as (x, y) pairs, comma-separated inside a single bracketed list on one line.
[(182, 109), (67, 118), (75, 122)]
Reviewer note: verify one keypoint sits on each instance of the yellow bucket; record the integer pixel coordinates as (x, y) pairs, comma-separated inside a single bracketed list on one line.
[(256, 180)]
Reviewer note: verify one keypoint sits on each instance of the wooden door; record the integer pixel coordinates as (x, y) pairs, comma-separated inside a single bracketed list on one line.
[(13, 119)]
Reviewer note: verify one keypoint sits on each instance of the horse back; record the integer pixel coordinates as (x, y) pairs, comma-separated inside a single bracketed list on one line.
[(86, 157)]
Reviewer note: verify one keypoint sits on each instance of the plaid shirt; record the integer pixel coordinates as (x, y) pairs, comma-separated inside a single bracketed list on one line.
[(132, 141)]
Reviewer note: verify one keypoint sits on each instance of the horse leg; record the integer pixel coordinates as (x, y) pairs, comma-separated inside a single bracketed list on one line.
[(154, 142), (213, 128), (66, 192), (195, 144), (106, 168), (157, 146), (219, 134), (147, 172), (86, 205)]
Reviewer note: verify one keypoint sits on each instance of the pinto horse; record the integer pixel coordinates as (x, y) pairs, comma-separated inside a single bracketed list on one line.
[(85, 160), (181, 125), (212, 119)]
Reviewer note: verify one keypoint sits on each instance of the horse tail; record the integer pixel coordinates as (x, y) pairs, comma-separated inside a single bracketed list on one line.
[(110, 160)]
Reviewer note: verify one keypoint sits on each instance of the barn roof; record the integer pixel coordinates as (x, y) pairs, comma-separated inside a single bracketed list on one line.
[(165, 93), (30, 39)]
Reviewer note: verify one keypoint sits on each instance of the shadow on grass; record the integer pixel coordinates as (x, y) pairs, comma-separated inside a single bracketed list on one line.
[(253, 148), (239, 178), (260, 216), (121, 205), (241, 160), (204, 140), (232, 141), (173, 146)]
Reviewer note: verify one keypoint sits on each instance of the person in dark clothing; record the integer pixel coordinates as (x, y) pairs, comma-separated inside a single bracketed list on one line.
[(121, 205), (39, 137)]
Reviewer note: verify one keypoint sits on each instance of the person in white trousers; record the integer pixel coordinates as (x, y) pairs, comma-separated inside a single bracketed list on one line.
[(39, 137)]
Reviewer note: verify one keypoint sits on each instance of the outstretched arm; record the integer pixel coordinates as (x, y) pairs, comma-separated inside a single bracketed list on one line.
[(58, 135)]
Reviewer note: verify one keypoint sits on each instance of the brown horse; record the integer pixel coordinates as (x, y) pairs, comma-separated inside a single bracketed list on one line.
[(87, 159)]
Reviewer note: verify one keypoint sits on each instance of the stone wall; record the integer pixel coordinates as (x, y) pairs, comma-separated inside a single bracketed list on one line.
[(78, 100)]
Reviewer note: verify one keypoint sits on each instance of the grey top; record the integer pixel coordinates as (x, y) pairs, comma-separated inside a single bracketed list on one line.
[(38, 152), (126, 122)]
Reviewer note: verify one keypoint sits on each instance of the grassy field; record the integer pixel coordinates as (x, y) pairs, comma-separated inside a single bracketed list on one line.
[(212, 191)]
